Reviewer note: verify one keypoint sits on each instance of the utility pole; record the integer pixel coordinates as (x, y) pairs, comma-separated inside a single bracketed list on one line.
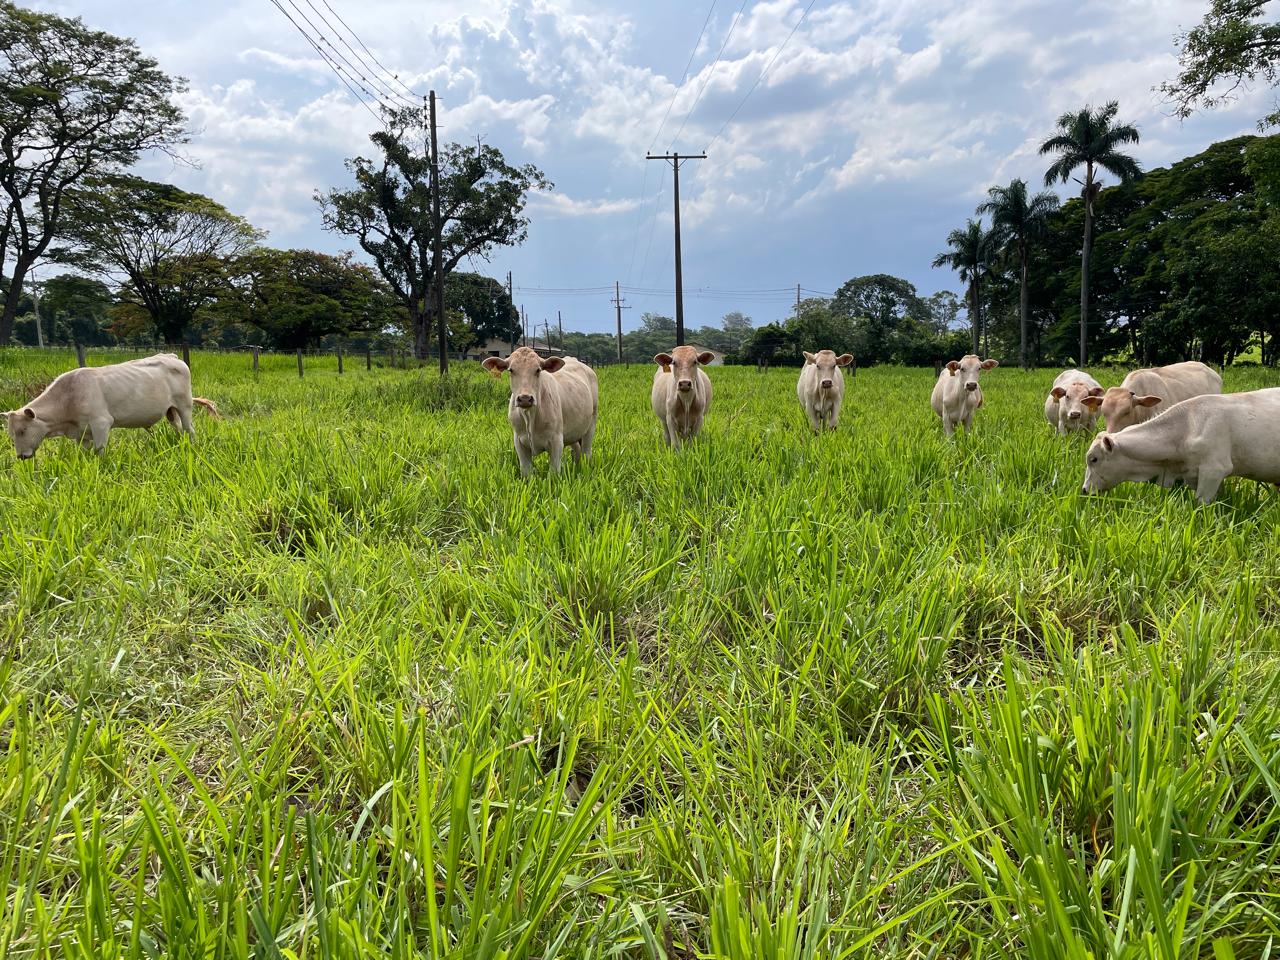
[(618, 307), (511, 295), (560, 324), (524, 324), (797, 301), (674, 159), (438, 255), (35, 302)]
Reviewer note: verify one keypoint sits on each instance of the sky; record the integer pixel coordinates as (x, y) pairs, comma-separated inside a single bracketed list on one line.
[(843, 137)]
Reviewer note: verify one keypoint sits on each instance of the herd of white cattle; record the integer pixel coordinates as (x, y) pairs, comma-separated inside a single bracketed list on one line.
[(1167, 424)]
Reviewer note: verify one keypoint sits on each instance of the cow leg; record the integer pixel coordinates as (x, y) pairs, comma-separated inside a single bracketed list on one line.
[(185, 423), (576, 447), (815, 420), (524, 455), (99, 431), (584, 445), (948, 428), (1209, 481), (556, 449)]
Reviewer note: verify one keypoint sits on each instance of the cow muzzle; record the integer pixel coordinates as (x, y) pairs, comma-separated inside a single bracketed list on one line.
[(684, 386), (26, 456), (971, 385), (826, 384), (1073, 415), (524, 401)]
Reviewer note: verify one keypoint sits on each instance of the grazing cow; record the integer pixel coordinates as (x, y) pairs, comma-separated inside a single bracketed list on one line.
[(957, 394), (821, 388), (85, 403), (681, 393), (1199, 441), (553, 404), (1065, 408), (1137, 397)]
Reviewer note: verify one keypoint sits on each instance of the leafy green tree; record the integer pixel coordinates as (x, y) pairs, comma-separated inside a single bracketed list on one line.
[(969, 253), (767, 343), (389, 211), (485, 305), (172, 253), (1232, 44), (73, 309), (1090, 138), (298, 297), (819, 325), (878, 306), (1017, 221), (74, 103)]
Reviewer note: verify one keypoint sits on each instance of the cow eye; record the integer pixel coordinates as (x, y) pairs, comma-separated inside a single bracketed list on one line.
[(1093, 459)]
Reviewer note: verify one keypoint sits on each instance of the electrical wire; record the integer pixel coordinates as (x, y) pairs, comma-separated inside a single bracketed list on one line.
[(685, 76), (394, 76), (332, 66), (737, 18), (383, 88)]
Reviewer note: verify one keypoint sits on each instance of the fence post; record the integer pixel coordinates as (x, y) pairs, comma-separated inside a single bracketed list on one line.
[(80, 354), (368, 358), (186, 354), (255, 361), (937, 368), (853, 366), (299, 364), (339, 359)]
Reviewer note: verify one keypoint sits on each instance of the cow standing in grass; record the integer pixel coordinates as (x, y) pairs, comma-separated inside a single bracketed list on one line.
[(1199, 442), (821, 388), (681, 393), (957, 395), (86, 403), (1149, 392), (1065, 407), (553, 405)]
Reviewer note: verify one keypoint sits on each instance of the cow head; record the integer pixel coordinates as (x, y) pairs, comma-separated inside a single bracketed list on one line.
[(26, 430), (526, 369), (1121, 407), (1107, 464), (828, 365), (683, 363), (1074, 405), (969, 367)]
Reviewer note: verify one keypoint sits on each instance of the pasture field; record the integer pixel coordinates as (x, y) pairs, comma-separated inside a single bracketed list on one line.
[(334, 682)]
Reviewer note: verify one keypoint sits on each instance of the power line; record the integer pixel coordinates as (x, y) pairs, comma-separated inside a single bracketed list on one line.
[(352, 72), (732, 26), (767, 68), (356, 36), (685, 76), (382, 86), (332, 66)]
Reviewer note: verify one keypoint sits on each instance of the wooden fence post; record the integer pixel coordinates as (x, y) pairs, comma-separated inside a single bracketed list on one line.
[(80, 354), (339, 359), (186, 354), (255, 360), (937, 368), (368, 358), (299, 364), (853, 367)]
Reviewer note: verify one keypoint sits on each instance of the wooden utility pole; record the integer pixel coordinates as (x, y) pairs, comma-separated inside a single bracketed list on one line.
[(675, 159), (437, 253), (560, 325), (797, 300), (511, 295), (618, 308), (524, 325)]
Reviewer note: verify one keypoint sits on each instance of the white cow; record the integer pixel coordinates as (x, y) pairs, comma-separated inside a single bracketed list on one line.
[(1065, 408), (85, 403), (1136, 399), (1199, 441), (821, 388), (681, 393), (957, 394), (554, 403)]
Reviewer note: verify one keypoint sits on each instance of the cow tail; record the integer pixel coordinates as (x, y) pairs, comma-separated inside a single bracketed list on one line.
[(208, 405)]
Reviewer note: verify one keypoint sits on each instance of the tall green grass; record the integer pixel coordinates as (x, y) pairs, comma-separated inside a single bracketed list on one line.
[(335, 682)]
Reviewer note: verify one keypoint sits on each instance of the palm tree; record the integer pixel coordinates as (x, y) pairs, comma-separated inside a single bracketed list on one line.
[(1016, 221), (1089, 138), (969, 254)]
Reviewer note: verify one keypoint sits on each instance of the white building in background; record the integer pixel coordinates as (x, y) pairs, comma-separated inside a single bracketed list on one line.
[(719, 354), (493, 347)]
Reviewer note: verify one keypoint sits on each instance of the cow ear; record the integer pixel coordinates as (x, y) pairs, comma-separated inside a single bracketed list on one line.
[(953, 366), (552, 364), (29, 413), (844, 359), (664, 361), (988, 364), (706, 357), (809, 357), (1092, 402), (494, 365), (1146, 401), (1096, 392), (1108, 444), (1057, 393)]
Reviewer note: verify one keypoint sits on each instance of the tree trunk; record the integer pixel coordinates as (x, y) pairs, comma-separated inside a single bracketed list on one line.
[(421, 333), (975, 318), (20, 268), (1084, 267), (1022, 310)]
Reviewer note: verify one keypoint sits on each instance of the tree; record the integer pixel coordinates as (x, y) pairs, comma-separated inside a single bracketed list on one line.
[(878, 305), (172, 252), (298, 297), (485, 304), (1016, 221), (969, 254), (389, 212), (819, 325), (767, 342), (74, 103), (1088, 138), (1230, 44), (73, 309)]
